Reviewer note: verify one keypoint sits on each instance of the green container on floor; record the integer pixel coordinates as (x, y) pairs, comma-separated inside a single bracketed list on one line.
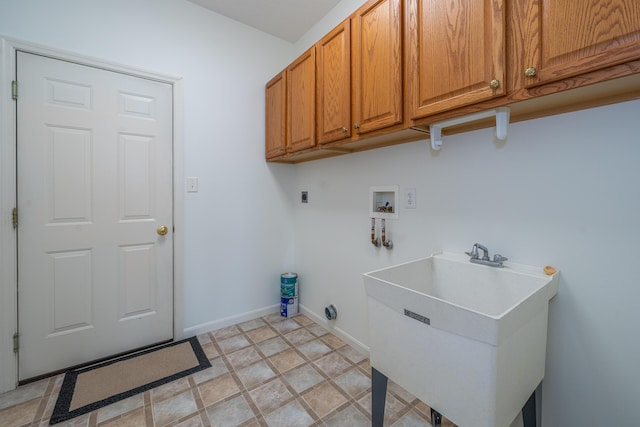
[(288, 294), (288, 285)]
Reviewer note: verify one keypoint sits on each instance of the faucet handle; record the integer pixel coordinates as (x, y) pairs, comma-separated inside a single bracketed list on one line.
[(499, 258)]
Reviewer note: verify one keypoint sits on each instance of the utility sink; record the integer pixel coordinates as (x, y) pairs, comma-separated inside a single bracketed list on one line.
[(467, 339)]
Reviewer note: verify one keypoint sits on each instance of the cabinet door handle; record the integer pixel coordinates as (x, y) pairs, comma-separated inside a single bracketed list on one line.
[(530, 72), (344, 129), (356, 126), (494, 84)]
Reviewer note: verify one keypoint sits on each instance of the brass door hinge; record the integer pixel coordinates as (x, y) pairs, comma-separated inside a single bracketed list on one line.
[(14, 90), (14, 218), (16, 342)]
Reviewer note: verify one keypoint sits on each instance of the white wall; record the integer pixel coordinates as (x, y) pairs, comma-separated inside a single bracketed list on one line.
[(563, 191), (336, 15), (237, 227)]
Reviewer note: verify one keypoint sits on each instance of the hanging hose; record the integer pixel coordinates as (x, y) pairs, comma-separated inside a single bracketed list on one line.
[(374, 240), (386, 243)]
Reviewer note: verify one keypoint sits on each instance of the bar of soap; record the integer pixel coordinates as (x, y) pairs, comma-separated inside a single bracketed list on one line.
[(548, 270)]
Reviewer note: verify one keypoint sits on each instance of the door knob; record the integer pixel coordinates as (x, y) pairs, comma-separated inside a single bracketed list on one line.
[(162, 230)]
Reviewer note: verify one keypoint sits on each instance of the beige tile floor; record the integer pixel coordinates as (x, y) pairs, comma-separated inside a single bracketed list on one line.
[(270, 371)]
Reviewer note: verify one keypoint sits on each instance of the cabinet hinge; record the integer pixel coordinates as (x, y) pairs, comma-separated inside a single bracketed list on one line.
[(14, 90), (14, 218), (16, 342)]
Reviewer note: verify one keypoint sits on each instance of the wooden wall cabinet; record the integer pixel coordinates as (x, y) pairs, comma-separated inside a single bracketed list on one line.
[(333, 74), (301, 102), (567, 38), (276, 116), (360, 81), (455, 54), (377, 81), (396, 66)]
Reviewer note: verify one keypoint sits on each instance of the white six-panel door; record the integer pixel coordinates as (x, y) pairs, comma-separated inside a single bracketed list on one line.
[(94, 166)]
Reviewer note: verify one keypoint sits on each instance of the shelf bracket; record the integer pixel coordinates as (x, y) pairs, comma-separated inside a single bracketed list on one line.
[(502, 124)]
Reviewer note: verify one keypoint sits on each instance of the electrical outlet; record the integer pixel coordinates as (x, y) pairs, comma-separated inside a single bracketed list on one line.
[(409, 198)]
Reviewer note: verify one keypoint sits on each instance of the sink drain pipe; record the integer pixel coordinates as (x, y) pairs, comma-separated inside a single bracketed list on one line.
[(331, 312)]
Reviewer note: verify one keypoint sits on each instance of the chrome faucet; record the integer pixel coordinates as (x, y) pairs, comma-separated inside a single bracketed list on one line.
[(485, 251), (485, 260)]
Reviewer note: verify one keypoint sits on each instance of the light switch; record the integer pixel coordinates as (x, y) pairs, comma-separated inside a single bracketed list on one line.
[(192, 184)]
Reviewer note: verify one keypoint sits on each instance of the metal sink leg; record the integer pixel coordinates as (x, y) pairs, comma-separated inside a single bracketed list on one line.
[(436, 418), (378, 397)]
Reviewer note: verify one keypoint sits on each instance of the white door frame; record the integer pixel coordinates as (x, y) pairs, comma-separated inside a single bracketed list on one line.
[(8, 196)]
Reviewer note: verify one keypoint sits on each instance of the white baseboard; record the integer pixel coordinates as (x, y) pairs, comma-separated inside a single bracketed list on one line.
[(330, 326), (203, 328)]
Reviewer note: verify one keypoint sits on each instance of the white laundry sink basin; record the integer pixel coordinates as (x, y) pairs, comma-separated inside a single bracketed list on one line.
[(467, 339)]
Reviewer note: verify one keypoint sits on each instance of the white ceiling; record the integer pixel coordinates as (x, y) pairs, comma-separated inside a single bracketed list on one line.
[(286, 19)]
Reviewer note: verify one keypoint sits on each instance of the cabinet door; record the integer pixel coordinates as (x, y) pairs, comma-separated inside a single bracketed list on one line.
[(567, 38), (455, 54), (301, 102), (376, 45), (334, 84), (276, 116)]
